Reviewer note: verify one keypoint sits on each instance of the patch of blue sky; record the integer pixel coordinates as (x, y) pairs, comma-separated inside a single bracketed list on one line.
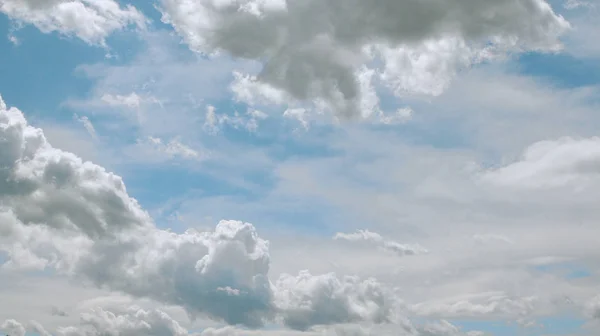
[(560, 69), (564, 325), (48, 78), (568, 270), (154, 184), (53, 77)]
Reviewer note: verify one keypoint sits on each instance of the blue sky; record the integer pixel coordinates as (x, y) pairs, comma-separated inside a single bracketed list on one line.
[(454, 159)]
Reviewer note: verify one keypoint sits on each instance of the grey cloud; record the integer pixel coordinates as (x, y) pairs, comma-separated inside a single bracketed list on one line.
[(313, 50), (306, 300)]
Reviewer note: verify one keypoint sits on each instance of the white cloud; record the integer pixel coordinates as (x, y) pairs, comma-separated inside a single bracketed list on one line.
[(132, 100), (13, 328), (91, 21), (307, 300), (489, 305), (87, 124), (60, 213), (213, 121), (316, 52), (250, 90), (375, 239), (134, 322), (172, 149), (299, 114), (552, 164), (137, 321), (401, 116)]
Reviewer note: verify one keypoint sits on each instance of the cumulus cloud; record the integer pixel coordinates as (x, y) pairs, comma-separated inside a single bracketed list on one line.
[(13, 328), (96, 322), (137, 321), (318, 52), (91, 21), (375, 239), (308, 300), (60, 213)]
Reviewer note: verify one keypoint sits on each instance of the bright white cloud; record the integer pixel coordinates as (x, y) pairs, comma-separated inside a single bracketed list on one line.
[(91, 21), (316, 52), (552, 164)]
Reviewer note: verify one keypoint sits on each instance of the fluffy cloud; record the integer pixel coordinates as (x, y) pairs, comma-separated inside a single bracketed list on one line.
[(316, 51), (308, 300), (375, 239), (91, 21), (74, 217), (13, 327), (96, 322), (552, 164), (134, 322), (137, 321)]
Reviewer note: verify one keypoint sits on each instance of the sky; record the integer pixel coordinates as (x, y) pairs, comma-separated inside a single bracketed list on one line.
[(299, 168)]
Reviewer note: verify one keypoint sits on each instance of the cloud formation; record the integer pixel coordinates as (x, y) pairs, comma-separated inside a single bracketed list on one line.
[(319, 52), (76, 218), (91, 21), (137, 321)]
